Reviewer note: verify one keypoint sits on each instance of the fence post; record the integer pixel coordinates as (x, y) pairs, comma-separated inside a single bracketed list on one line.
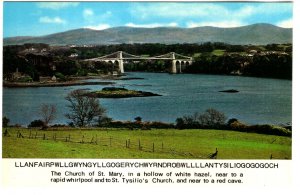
[(92, 139), (35, 135), (44, 137), (128, 143), (96, 140), (30, 134), (69, 138), (55, 137)]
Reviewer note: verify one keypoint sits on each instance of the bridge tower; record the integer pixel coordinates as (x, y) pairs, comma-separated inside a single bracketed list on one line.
[(120, 60), (174, 70)]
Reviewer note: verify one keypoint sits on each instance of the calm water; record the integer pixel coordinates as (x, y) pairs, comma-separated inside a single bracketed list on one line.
[(259, 100)]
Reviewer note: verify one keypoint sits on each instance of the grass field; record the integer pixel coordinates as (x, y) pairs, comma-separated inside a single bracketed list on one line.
[(142, 144)]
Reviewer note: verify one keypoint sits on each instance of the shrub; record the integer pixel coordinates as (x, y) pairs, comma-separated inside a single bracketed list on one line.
[(60, 76), (138, 119), (270, 130), (237, 126), (160, 125), (5, 121), (104, 121), (25, 79), (37, 123), (82, 72)]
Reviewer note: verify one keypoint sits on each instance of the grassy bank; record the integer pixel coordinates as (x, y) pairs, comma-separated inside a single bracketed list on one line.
[(118, 143)]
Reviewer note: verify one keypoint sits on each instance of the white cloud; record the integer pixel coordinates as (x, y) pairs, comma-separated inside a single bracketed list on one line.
[(210, 10), (88, 13), (286, 23), (176, 10), (223, 24), (98, 27), (152, 25), (56, 5), (210, 14), (55, 20)]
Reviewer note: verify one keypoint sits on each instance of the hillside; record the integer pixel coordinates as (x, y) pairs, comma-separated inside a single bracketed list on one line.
[(256, 34)]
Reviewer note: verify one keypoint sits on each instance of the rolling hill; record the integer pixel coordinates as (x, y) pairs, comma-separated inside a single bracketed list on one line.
[(256, 34)]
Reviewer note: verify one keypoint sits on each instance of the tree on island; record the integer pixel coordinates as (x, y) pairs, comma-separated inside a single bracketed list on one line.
[(84, 110)]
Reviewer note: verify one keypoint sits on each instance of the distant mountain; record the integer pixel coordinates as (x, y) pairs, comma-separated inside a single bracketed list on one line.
[(256, 34)]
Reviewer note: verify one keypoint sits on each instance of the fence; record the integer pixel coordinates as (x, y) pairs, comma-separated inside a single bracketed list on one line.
[(131, 144)]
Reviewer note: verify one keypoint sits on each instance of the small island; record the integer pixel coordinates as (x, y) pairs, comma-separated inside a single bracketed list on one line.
[(229, 91), (116, 92)]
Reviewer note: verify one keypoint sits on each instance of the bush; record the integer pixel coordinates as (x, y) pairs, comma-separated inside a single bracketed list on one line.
[(60, 76), (104, 121), (37, 123), (270, 130), (5, 121), (237, 126), (25, 79), (262, 129), (82, 72)]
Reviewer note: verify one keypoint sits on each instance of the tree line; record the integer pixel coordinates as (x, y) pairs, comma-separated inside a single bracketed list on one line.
[(273, 60)]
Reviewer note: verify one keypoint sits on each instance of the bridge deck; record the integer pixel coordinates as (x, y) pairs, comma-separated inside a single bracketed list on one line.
[(151, 58)]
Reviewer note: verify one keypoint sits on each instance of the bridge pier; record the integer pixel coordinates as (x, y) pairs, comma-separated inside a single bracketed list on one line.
[(174, 69), (121, 66), (120, 60)]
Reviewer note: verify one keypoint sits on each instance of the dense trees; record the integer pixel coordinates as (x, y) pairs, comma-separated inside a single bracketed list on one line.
[(211, 118), (274, 60)]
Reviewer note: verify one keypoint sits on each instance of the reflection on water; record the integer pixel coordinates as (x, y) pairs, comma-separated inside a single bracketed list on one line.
[(258, 101)]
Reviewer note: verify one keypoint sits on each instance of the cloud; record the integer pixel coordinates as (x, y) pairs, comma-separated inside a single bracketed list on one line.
[(211, 14), (56, 5), (286, 23), (87, 13), (152, 25), (211, 10), (98, 27), (168, 10), (223, 24), (55, 20)]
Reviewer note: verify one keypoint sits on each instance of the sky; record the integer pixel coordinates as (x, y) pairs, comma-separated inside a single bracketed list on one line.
[(42, 18)]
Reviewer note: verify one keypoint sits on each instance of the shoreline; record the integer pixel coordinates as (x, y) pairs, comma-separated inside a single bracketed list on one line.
[(53, 84), (72, 82)]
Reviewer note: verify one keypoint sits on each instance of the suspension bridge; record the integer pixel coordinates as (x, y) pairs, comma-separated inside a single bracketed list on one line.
[(118, 58)]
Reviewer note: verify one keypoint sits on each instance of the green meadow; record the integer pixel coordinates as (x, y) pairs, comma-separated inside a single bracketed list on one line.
[(142, 144)]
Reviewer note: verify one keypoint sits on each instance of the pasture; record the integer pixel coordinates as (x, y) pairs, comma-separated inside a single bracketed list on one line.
[(99, 143)]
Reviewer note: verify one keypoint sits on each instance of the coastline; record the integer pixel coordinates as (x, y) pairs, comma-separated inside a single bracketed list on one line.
[(53, 84)]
